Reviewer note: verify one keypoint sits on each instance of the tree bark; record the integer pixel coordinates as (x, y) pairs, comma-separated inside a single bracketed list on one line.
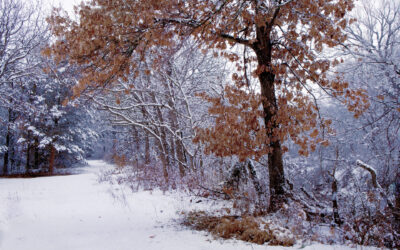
[(263, 50)]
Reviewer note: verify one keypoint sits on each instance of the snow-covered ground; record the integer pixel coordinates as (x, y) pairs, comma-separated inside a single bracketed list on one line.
[(76, 212)]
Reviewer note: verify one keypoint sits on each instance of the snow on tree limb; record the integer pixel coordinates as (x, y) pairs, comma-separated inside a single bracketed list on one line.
[(371, 170)]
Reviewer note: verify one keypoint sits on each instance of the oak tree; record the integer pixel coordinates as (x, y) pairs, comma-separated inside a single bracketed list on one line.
[(285, 37)]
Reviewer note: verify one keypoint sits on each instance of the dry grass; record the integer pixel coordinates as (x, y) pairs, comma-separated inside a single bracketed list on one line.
[(247, 228)]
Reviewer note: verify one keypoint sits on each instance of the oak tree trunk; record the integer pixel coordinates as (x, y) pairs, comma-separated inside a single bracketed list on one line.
[(263, 50), (275, 162)]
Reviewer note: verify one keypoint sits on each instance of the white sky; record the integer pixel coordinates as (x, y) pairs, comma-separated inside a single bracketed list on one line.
[(65, 4)]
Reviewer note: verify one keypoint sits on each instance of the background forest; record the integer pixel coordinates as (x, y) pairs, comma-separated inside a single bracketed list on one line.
[(285, 107)]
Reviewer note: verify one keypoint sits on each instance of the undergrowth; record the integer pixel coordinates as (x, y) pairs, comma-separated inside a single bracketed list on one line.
[(246, 228)]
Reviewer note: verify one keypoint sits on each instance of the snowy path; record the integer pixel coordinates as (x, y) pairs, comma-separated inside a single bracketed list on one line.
[(76, 212)]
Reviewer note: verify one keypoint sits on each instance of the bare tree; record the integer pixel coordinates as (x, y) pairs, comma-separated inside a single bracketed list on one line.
[(22, 31), (372, 55), (164, 107)]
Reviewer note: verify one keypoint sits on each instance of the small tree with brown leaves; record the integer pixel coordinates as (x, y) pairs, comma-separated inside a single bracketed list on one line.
[(285, 37)]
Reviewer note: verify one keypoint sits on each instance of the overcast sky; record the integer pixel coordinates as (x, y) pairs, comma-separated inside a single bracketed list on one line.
[(65, 4)]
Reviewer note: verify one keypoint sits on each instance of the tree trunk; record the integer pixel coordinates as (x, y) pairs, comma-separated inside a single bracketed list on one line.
[(8, 142), (164, 161), (180, 153), (163, 144), (263, 50), (36, 161), (172, 151), (176, 144), (51, 160), (275, 162), (335, 205), (6, 154), (257, 185), (147, 149), (136, 145), (30, 146), (146, 141), (165, 155), (28, 155), (52, 148)]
